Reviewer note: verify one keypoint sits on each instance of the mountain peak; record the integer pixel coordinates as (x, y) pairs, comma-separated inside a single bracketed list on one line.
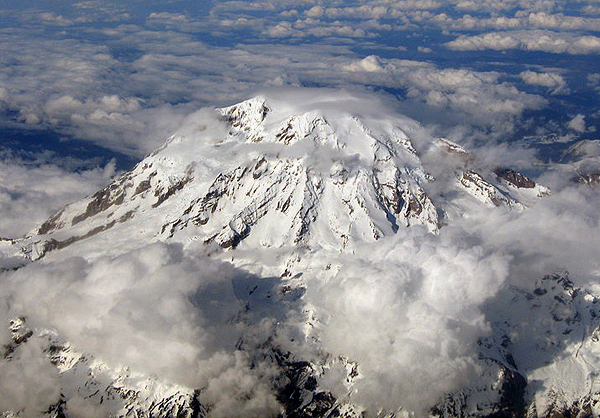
[(246, 116), (274, 173)]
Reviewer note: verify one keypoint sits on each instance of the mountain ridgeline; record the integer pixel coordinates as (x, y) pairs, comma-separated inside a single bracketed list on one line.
[(308, 179)]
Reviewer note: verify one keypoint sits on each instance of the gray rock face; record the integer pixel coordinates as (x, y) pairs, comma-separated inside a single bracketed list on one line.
[(515, 178)]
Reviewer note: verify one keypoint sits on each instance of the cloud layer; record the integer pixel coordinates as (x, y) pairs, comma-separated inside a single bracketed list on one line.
[(124, 76)]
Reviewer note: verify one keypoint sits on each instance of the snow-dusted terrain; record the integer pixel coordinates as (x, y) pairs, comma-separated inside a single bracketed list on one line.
[(302, 257)]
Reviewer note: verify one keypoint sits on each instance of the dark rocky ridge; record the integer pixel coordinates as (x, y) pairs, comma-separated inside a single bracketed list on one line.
[(515, 178)]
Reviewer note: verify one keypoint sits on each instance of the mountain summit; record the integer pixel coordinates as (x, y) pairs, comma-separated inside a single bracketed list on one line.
[(256, 174)]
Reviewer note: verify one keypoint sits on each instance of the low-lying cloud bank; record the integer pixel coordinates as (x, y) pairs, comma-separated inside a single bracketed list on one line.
[(134, 111), (154, 310), (124, 76), (408, 314)]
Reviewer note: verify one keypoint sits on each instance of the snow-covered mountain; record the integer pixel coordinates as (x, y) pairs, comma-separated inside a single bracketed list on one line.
[(306, 202), (314, 179)]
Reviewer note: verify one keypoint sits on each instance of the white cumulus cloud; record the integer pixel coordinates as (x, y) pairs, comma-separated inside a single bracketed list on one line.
[(545, 41), (553, 81)]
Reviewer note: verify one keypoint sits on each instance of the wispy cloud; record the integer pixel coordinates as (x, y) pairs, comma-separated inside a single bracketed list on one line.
[(544, 41), (31, 191)]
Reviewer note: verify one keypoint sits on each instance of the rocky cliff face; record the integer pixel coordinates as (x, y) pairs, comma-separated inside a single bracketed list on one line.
[(540, 360)]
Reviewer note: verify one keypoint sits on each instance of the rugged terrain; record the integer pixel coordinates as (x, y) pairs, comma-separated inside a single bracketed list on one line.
[(283, 197)]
